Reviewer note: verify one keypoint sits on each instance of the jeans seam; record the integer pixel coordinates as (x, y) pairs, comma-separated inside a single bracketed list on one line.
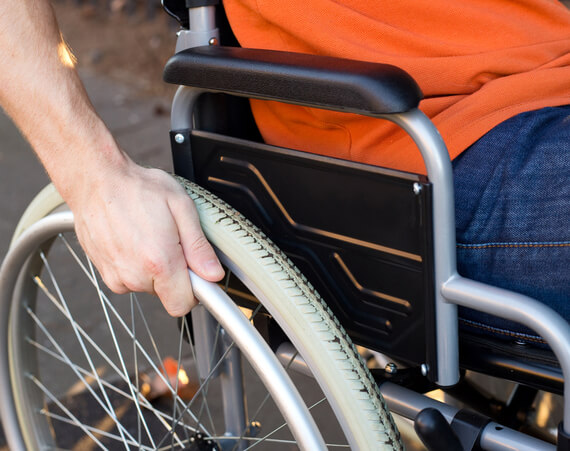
[(514, 244), (533, 338)]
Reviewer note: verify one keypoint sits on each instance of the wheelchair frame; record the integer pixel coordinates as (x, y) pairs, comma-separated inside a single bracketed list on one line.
[(452, 290)]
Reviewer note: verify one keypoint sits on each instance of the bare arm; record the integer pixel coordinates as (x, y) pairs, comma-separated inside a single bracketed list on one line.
[(137, 225)]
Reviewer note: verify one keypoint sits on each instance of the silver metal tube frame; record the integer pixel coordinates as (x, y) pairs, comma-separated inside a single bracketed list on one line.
[(522, 309), (202, 30), (494, 437), (438, 166)]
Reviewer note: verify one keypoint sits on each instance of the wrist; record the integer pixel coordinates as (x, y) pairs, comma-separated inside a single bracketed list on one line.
[(85, 163)]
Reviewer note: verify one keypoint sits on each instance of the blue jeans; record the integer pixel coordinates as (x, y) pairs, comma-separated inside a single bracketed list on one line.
[(513, 215)]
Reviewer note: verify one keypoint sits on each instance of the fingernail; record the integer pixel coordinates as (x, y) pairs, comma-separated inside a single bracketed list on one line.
[(213, 268)]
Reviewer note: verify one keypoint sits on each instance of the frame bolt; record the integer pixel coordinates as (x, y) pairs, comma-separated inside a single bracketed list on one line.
[(417, 188), (391, 368), (179, 138), (213, 41), (424, 369)]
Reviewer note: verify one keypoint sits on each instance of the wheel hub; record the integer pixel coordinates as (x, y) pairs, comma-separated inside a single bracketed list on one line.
[(199, 443)]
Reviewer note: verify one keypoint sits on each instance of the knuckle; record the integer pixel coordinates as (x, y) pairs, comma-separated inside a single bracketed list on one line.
[(153, 264), (135, 285), (126, 279), (120, 289), (114, 284), (177, 309)]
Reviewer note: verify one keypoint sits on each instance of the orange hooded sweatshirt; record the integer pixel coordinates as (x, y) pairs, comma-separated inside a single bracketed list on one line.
[(478, 63)]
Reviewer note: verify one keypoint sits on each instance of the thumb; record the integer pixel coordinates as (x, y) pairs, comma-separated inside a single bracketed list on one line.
[(199, 254)]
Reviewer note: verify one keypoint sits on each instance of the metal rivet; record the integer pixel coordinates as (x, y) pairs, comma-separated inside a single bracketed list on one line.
[(391, 368), (417, 188), (424, 369), (179, 138), (213, 41)]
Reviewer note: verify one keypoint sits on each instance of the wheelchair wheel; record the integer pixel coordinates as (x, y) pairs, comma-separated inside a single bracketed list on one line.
[(84, 368)]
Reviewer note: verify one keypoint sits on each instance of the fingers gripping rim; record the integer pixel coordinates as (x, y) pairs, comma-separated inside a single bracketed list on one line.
[(305, 318)]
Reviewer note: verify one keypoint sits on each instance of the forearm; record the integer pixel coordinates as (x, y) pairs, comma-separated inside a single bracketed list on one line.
[(41, 91), (137, 225)]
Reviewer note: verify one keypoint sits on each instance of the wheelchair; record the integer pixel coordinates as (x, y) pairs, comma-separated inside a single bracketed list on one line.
[(303, 284)]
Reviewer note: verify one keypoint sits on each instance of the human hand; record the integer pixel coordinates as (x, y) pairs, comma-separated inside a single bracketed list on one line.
[(142, 232)]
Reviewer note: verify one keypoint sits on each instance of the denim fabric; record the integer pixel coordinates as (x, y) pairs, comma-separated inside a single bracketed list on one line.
[(513, 214)]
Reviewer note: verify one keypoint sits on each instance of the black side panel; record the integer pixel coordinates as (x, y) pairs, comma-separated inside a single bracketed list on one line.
[(358, 233), (318, 81)]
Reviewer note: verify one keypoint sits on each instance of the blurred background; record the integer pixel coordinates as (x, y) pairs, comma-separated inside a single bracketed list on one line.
[(126, 40)]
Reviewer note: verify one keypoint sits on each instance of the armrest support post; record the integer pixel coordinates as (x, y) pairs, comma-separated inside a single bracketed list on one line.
[(438, 166)]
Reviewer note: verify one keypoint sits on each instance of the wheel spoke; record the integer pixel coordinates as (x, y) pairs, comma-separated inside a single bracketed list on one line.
[(74, 324), (119, 353), (261, 405), (136, 361), (108, 410), (93, 430), (118, 317), (270, 440), (178, 360), (208, 379), (62, 306), (179, 403), (151, 337), (86, 354), (199, 391), (162, 416), (266, 437), (65, 410)]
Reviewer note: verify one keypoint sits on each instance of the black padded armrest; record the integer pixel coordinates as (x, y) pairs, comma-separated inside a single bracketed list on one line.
[(309, 80)]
